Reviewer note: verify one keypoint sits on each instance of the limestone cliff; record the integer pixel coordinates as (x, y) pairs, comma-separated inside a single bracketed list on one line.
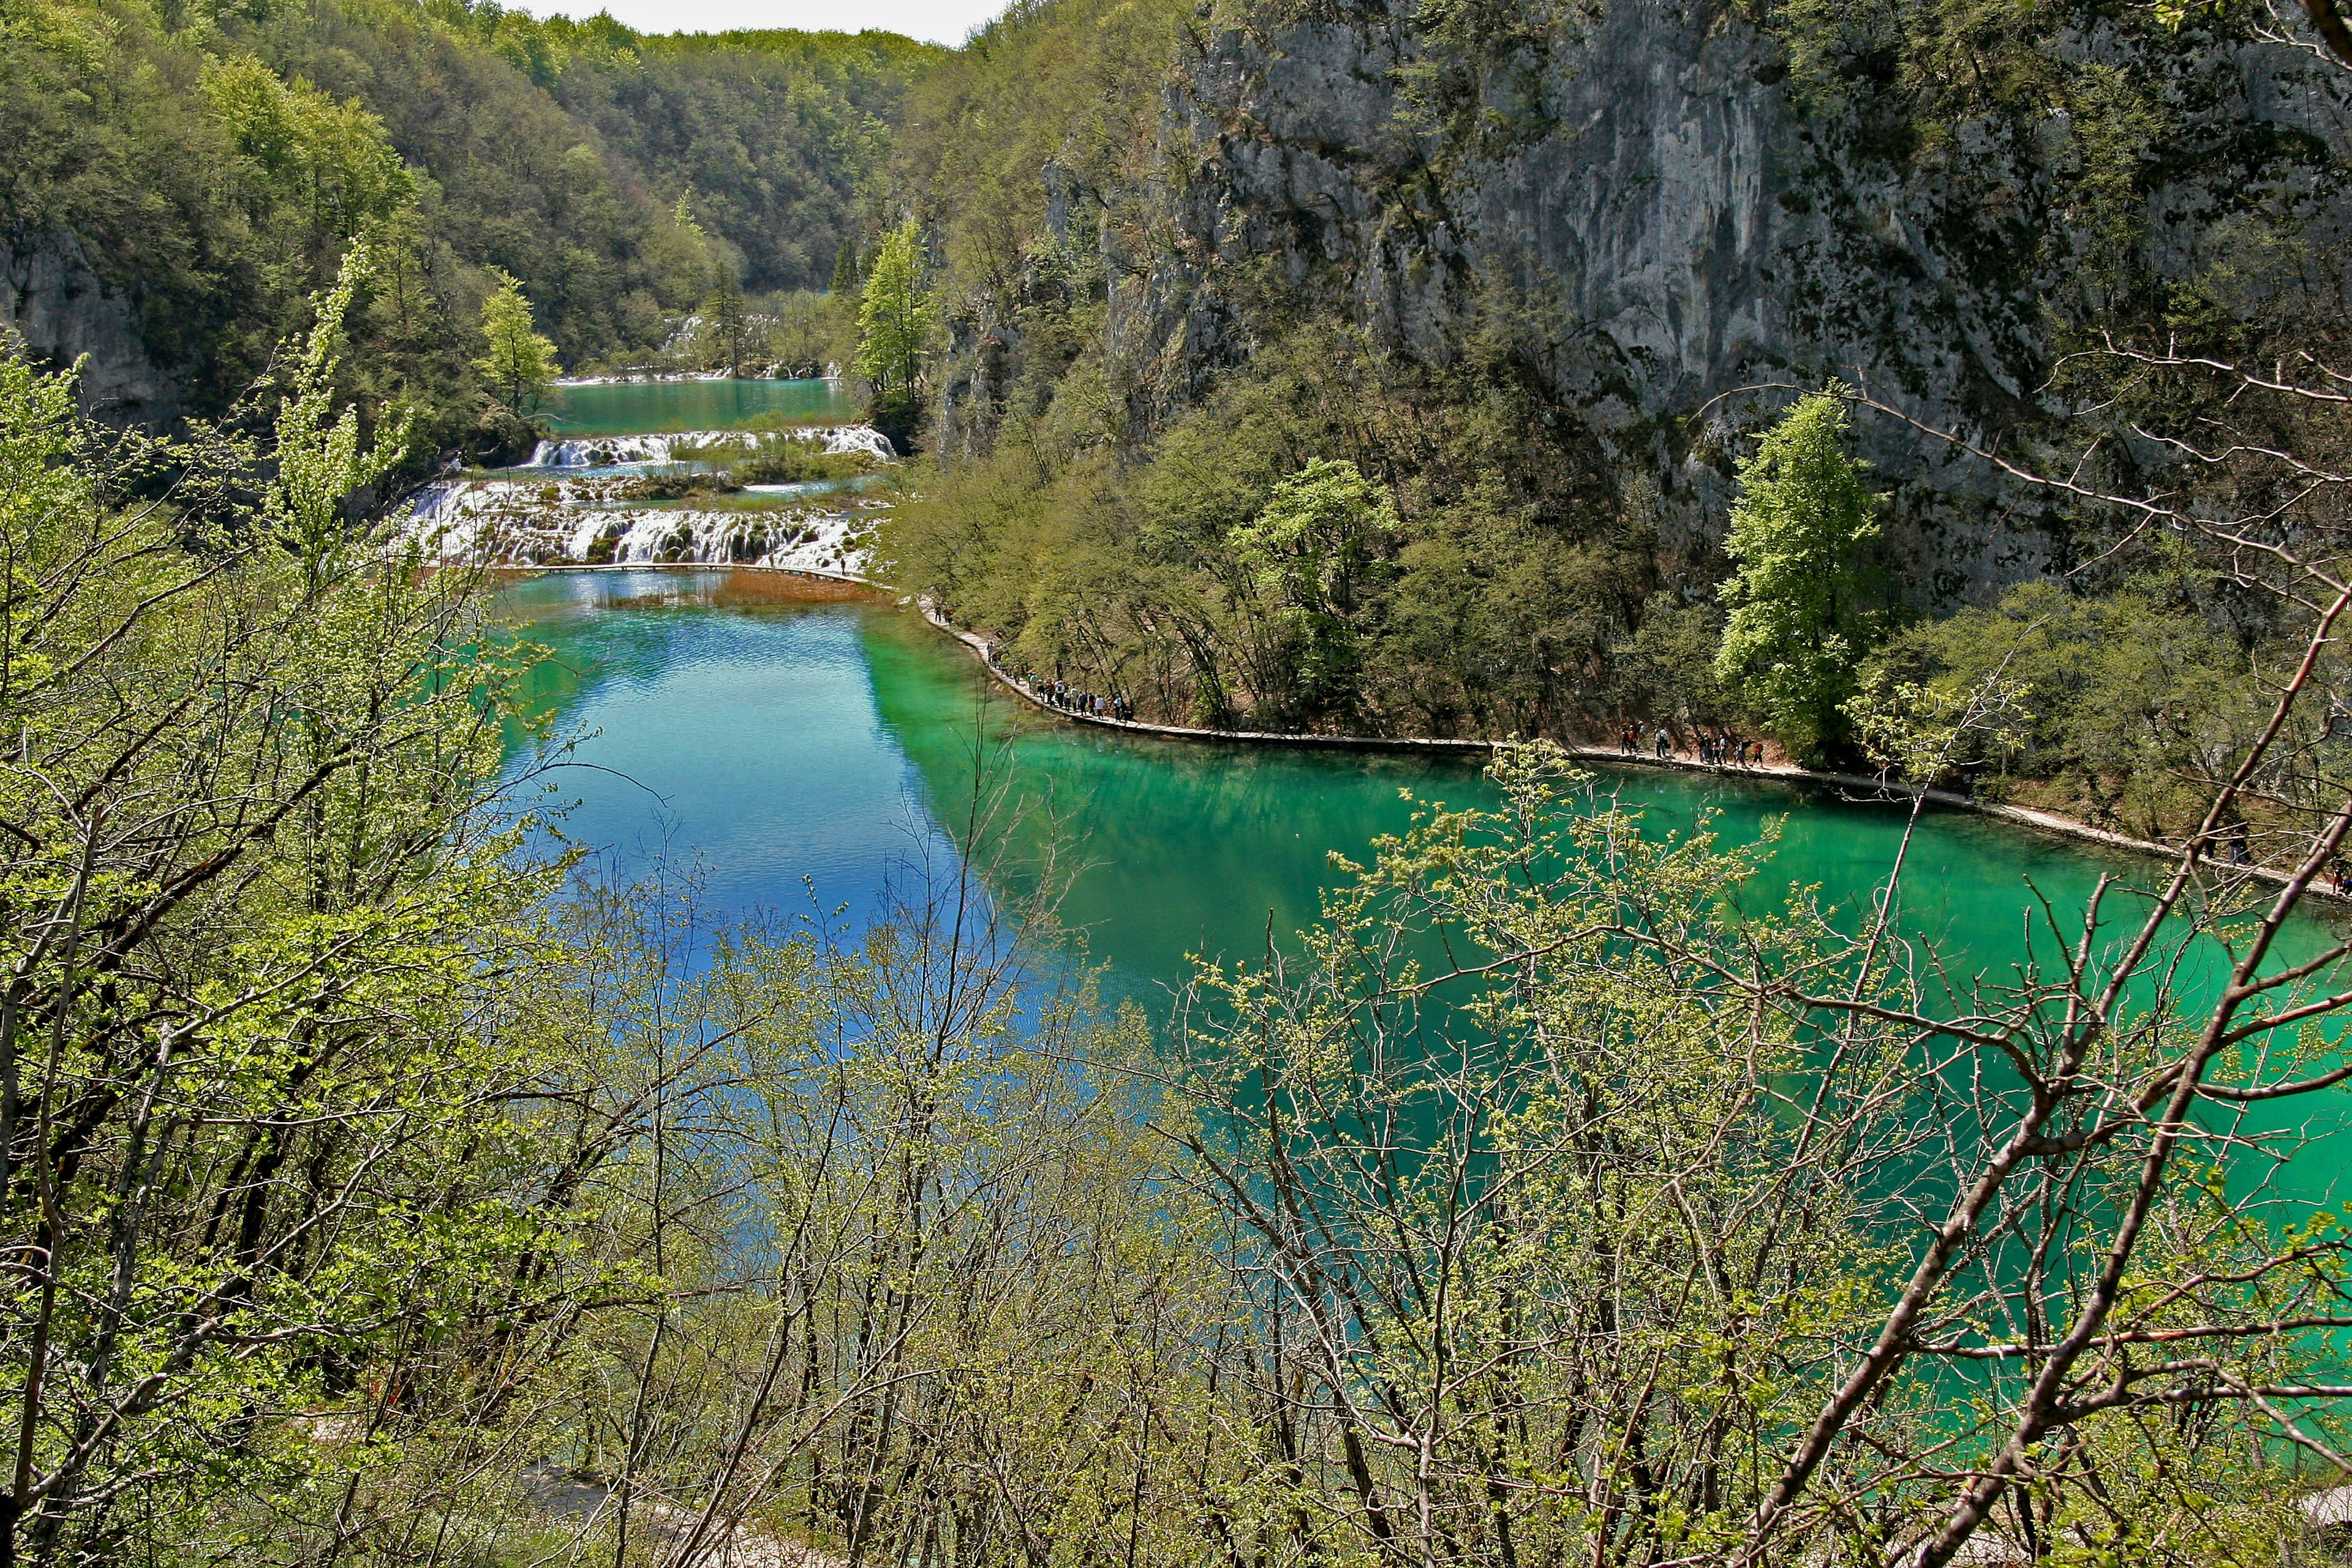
[(54, 299), (1676, 222)]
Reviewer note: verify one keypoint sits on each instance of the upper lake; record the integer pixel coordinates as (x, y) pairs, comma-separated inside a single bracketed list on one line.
[(664, 407)]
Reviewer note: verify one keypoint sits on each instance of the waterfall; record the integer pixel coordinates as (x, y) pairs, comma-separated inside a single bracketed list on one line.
[(543, 523), (600, 451)]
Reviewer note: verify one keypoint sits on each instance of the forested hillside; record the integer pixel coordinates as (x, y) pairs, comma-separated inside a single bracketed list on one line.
[(186, 176), (1541, 275)]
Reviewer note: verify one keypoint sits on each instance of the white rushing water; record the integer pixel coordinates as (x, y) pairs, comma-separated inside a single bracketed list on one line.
[(596, 451), (540, 522), (569, 507)]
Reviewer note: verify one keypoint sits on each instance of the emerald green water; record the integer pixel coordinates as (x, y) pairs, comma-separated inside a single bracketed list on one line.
[(662, 407), (777, 742)]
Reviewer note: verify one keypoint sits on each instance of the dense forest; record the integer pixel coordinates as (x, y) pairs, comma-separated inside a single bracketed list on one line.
[(1454, 248), (200, 171), (1952, 390)]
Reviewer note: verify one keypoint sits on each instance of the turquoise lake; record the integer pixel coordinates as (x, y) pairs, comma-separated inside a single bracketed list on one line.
[(654, 408), (790, 748)]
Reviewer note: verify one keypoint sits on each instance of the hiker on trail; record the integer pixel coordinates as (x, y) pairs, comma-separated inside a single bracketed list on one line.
[(1666, 743)]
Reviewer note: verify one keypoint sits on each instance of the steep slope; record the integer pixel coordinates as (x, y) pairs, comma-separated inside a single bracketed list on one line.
[(1687, 221), (182, 205), (1635, 229)]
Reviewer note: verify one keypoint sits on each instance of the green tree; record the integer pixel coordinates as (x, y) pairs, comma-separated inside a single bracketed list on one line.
[(894, 319), (1303, 558), (844, 268), (1666, 668), (246, 1128), (321, 457), (301, 153), (518, 366), (1801, 616), (725, 320)]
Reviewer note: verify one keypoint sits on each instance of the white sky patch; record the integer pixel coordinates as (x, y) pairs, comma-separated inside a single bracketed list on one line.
[(940, 21)]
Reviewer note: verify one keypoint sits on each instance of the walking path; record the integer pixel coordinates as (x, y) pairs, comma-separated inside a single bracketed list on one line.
[(2023, 816)]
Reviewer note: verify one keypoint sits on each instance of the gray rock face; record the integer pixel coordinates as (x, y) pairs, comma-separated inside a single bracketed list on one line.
[(56, 302), (1681, 237)]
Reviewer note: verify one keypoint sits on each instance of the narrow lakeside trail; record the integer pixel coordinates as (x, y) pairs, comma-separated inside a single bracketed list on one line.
[(1881, 789)]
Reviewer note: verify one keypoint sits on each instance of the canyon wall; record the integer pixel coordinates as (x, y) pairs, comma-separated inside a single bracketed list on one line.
[(1683, 234), (54, 299)]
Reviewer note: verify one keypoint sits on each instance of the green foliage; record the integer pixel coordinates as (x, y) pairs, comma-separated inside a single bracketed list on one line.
[(1924, 732), (300, 149), (1303, 558), (320, 458), (895, 318), (1486, 606), (1027, 133), (244, 1106), (811, 333), (795, 462), (517, 364), (1801, 610), (1561, 1150), (212, 162), (2131, 700), (1666, 669)]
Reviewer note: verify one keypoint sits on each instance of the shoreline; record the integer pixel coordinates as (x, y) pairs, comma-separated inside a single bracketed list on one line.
[(673, 378), (1890, 791), (1886, 791)]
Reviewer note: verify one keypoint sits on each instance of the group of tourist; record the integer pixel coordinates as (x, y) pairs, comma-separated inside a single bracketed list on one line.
[(1093, 704), (1061, 694), (1715, 751)]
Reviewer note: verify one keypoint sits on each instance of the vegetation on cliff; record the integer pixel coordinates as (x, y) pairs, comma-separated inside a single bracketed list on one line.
[(1121, 381)]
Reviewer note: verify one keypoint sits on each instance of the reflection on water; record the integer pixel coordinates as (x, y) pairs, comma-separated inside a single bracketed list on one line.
[(742, 732), (646, 408), (780, 738)]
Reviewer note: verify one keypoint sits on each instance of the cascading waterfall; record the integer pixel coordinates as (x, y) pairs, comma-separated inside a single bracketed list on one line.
[(511, 523), (570, 507), (596, 451), (583, 501)]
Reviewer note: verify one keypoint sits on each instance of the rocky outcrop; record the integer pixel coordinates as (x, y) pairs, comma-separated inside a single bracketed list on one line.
[(1681, 234), (56, 302)]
